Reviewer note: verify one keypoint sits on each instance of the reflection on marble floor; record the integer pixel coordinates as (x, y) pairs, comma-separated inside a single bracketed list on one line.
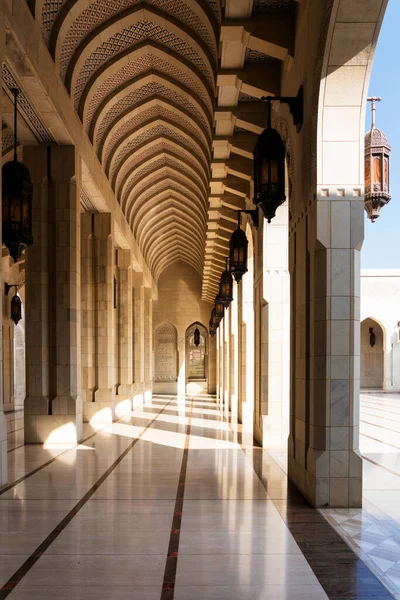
[(374, 531), (230, 539), (170, 503)]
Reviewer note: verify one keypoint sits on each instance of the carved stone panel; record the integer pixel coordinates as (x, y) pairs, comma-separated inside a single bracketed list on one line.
[(165, 349)]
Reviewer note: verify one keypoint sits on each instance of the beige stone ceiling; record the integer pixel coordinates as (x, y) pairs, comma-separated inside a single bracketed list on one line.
[(168, 92), (142, 78)]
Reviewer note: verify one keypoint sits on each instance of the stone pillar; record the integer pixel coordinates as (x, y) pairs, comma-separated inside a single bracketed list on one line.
[(124, 398), (88, 316), (324, 462), (234, 356), (225, 324), (148, 345), (102, 406), (53, 406), (183, 365), (275, 332), (3, 423), (138, 339)]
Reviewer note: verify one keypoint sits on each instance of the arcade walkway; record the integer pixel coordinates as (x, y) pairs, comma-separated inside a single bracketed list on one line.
[(167, 503)]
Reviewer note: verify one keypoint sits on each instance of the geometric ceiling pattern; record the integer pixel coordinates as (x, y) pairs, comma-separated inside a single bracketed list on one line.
[(169, 93), (142, 77)]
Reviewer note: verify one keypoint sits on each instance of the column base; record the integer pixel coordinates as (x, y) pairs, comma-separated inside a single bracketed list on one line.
[(318, 484), (148, 392), (3, 449), (51, 429), (102, 410), (123, 400), (138, 395)]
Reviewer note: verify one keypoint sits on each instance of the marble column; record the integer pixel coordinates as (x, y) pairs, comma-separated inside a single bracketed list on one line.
[(324, 259), (148, 345), (53, 405), (102, 409), (88, 316), (225, 324), (275, 332), (3, 423), (138, 339), (234, 356), (124, 398)]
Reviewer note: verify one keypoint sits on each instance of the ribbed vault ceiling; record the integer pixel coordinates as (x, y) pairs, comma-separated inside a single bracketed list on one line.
[(142, 78)]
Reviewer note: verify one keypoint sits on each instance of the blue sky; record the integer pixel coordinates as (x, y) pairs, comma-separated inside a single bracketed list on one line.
[(381, 249)]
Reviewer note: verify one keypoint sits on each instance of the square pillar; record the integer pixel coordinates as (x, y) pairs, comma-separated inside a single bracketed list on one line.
[(100, 406), (324, 460), (53, 405), (148, 345), (124, 398), (138, 339)]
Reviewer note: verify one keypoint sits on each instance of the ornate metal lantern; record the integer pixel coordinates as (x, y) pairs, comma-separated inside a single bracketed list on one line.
[(377, 151), (214, 321), (17, 201), (16, 304), (226, 287), (196, 337), (238, 245), (269, 170), (219, 307), (269, 157), (212, 329)]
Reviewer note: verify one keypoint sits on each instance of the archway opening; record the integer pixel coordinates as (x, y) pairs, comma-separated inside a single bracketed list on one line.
[(372, 355), (196, 351)]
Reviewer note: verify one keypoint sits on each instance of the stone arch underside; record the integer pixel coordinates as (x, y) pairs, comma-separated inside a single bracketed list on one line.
[(142, 78)]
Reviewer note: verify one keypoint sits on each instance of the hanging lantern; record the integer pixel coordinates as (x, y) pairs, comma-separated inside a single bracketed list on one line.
[(196, 337), (16, 304), (269, 170), (219, 307), (16, 309), (17, 201), (377, 151), (238, 252), (226, 287), (214, 321), (211, 328)]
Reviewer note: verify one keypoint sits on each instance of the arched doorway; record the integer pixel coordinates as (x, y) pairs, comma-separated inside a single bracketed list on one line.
[(165, 359), (196, 358), (372, 355)]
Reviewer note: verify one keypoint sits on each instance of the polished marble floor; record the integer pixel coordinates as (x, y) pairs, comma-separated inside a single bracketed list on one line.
[(374, 531), (167, 503)]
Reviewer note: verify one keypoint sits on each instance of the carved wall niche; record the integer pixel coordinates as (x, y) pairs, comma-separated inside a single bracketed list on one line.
[(165, 353)]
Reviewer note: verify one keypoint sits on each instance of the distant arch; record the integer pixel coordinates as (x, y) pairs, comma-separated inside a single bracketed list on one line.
[(197, 356), (372, 354)]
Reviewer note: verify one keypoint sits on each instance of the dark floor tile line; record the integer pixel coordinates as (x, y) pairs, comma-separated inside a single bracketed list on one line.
[(380, 441), (16, 448), (17, 577), (380, 426), (340, 572), (382, 467), (9, 486), (171, 564)]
